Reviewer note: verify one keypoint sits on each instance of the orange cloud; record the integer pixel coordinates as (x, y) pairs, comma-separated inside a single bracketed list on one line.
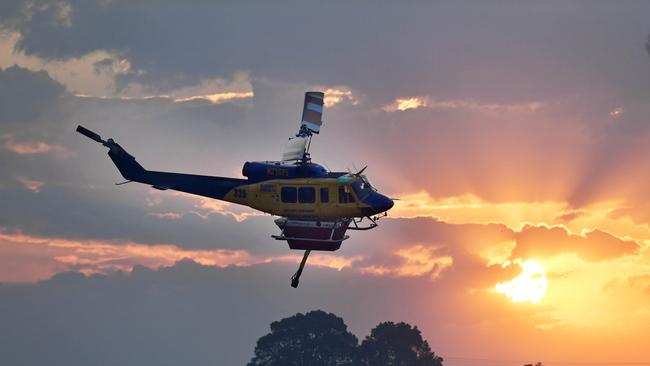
[(404, 104), (216, 98), (96, 256), (32, 185), (30, 147), (334, 96), (596, 245), (413, 261), (166, 215), (321, 260), (45, 256), (469, 208), (609, 216)]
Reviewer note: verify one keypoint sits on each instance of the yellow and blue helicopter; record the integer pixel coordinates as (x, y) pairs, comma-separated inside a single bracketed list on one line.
[(316, 206)]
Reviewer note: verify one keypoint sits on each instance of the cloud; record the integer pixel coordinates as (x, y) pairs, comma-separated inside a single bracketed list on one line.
[(102, 74), (166, 215), (97, 256), (470, 208), (92, 73), (51, 255), (334, 96), (520, 70), (616, 112), (26, 95), (404, 104), (214, 99), (595, 245), (413, 261), (208, 315), (640, 284), (31, 147), (32, 185), (217, 98)]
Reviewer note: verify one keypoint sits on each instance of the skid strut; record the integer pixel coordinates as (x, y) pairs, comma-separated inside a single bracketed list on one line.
[(295, 279)]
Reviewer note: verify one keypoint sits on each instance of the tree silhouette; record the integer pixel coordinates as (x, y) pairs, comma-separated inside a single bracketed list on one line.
[(316, 338), (391, 344)]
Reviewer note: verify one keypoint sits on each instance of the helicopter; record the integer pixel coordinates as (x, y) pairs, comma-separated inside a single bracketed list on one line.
[(315, 206)]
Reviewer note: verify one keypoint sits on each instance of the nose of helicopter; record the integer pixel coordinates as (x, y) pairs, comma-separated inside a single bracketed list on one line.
[(381, 203)]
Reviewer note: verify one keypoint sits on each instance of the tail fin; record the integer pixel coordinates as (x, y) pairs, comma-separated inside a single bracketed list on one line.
[(125, 162)]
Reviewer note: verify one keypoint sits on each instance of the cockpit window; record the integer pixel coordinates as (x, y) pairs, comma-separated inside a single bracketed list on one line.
[(362, 187), (367, 182)]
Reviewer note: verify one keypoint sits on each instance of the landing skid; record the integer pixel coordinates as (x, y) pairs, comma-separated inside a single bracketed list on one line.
[(373, 222)]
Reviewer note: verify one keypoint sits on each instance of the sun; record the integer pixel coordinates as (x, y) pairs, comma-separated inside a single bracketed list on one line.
[(530, 285)]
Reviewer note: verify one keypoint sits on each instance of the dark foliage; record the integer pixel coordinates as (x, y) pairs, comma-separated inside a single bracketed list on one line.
[(319, 338), (316, 338), (391, 344)]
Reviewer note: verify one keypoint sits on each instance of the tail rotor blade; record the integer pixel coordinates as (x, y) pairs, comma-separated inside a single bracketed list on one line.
[(90, 134)]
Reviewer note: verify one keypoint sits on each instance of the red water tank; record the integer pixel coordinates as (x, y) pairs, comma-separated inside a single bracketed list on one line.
[(312, 235)]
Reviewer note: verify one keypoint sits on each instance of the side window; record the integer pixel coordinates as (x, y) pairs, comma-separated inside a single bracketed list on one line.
[(343, 196), (306, 194), (350, 197), (288, 194), (324, 195)]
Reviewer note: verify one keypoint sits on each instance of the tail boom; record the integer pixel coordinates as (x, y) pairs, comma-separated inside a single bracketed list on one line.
[(131, 170)]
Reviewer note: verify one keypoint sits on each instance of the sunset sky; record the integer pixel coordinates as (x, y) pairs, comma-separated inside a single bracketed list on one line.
[(515, 134)]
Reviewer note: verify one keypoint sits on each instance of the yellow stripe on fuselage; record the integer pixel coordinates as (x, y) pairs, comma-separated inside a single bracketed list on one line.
[(266, 197)]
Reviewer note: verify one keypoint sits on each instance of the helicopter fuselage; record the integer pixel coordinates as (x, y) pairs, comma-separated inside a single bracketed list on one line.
[(306, 191), (303, 191), (308, 199)]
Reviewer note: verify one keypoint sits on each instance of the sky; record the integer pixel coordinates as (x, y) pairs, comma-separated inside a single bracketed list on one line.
[(515, 135)]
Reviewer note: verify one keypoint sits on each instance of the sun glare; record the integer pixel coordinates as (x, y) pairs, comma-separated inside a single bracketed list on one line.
[(530, 285)]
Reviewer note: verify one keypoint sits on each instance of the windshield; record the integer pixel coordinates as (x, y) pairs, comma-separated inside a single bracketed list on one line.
[(367, 182), (362, 187)]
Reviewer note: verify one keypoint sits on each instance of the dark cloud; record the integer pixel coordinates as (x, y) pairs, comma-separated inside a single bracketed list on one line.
[(443, 49), (103, 65), (73, 202), (26, 96), (204, 315)]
